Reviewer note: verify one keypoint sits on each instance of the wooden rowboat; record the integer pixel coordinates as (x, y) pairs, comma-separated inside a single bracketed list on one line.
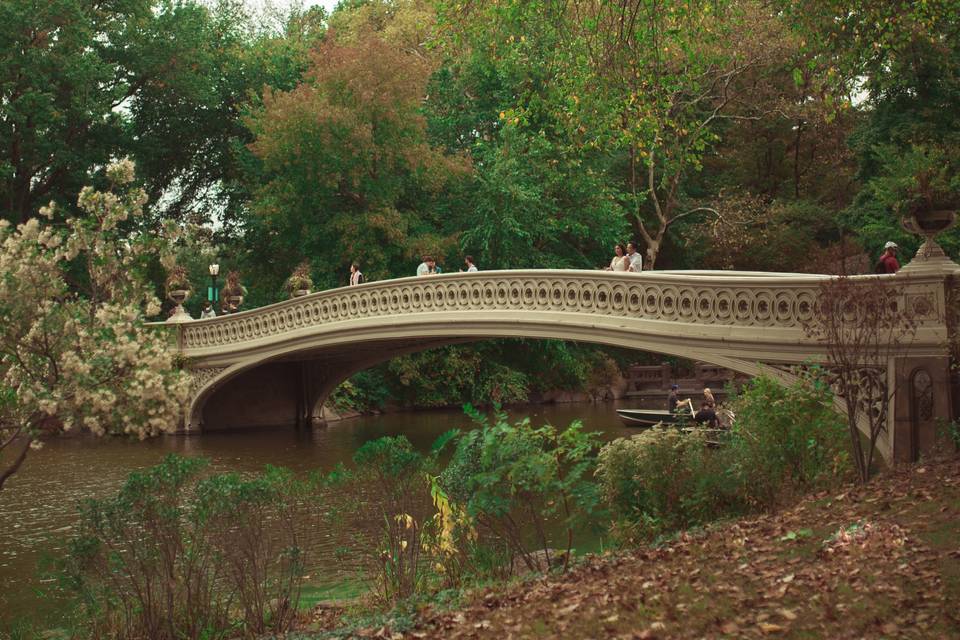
[(645, 418)]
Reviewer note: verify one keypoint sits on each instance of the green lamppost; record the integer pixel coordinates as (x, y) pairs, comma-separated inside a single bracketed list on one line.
[(213, 295)]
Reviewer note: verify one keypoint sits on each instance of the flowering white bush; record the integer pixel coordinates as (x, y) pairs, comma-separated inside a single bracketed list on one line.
[(74, 351)]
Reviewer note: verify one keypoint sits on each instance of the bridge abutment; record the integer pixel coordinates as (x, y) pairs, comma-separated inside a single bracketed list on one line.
[(275, 393), (920, 404)]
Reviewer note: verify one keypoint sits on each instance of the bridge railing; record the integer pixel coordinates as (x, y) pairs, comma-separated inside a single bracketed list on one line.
[(698, 298)]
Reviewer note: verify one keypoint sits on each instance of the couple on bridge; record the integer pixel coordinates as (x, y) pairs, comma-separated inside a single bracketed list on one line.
[(429, 266), (626, 259)]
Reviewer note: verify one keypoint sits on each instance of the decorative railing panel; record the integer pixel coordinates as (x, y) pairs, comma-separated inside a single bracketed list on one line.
[(722, 298)]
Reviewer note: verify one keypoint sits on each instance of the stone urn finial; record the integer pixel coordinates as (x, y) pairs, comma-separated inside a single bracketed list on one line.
[(178, 290), (928, 207), (929, 224)]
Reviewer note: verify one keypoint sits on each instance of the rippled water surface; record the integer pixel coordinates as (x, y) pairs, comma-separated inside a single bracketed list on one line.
[(38, 505)]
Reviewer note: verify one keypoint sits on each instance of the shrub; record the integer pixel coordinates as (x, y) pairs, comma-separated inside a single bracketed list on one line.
[(175, 556), (661, 480), (523, 488), (787, 440), (388, 491), (251, 525)]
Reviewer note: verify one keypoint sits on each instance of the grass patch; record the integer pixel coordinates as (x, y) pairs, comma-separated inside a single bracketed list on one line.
[(347, 589)]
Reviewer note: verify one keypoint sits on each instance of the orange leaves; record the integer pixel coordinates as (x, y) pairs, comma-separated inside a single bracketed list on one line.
[(371, 72)]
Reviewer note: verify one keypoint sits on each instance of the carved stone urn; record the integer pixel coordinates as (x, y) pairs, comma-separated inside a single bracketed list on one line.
[(929, 222), (179, 296)]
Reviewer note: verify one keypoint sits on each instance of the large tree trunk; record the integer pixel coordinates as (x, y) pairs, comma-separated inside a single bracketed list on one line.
[(14, 466)]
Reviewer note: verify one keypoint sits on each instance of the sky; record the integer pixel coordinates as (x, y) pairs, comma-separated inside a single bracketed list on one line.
[(326, 4)]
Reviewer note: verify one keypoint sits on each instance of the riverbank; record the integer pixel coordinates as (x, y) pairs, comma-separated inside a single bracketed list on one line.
[(41, 508), (875, 561), (611, 393)]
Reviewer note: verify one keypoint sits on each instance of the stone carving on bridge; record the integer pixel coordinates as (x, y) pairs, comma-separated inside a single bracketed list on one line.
[(921, 305), (200, 377), (758, 302), (870, 383), (922, 389)]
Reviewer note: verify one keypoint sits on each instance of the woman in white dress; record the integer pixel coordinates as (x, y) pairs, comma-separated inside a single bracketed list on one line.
[(355, 276), (620, 260)]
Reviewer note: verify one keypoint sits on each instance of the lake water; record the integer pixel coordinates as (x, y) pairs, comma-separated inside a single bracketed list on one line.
[(38, 505)]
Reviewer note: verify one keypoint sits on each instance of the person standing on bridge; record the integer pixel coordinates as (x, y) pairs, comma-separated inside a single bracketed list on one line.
[(620, 262), (207, 311), (888, 261), (636, 261), (427, 267), (471, 266), (355, 276)]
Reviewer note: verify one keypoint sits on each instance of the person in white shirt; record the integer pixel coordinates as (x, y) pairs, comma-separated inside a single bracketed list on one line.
[(636, 261), (427, 267), (355, 276), (207, 311), (620, 260), (468, 260)]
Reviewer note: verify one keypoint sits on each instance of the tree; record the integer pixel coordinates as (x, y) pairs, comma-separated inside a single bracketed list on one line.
[(863, 325), (345, 155), (536, 198), (639, 86), (74, 351), (902, 60), (81, 82)]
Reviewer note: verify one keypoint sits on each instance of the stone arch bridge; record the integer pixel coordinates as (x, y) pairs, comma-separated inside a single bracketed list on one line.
[(277, 364)]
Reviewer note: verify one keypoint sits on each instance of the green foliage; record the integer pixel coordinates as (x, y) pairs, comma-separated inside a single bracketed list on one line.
[(68, 64), (523, 488), (786, 441), (663, 480), (468, 375), (949, 431), (362, 171), (902, 61), (757, 235), (177, 554), (387, 491), (910, 179), (492, 372)]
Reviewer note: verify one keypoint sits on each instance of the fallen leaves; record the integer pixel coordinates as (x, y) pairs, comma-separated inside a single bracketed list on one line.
[(851, 566)]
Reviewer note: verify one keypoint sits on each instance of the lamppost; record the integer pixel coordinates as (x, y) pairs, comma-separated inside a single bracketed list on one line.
[(212, 294)]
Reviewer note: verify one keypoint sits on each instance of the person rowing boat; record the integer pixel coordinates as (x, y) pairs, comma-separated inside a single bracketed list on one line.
[(675, 404)]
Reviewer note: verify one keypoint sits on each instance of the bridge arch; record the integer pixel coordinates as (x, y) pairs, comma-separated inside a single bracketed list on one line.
[(336, 355)]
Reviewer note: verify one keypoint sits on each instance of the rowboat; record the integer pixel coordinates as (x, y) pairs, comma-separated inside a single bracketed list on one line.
[(649, 417), (645, 418)]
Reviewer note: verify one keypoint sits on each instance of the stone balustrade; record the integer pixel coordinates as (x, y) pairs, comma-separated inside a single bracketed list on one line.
[(700, 298)]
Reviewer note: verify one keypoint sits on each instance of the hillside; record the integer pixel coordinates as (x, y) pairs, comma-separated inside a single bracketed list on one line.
[(879, 561)]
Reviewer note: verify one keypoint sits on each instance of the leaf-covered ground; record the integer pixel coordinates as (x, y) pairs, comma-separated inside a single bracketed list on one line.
[(873, 562)]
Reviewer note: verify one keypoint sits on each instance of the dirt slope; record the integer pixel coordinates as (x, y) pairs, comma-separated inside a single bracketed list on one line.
[(874, 562)]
